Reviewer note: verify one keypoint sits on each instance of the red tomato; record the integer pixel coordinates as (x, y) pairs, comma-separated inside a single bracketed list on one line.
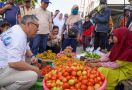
[(66, 86), (84, 77), (95, 68), (73, 77), (73, 73), (71, 87), (49, 85), (70, 70), (96, 86), (84, 82), (95, 80), (88, 74), (64, 80), (83, 87), (93, 72), (77, 86), (100, 83), (102, 77), (76, 81), (80, 78), (46, 78), (53, 77), (99, 78), (68, 77), (66, 74), (91, 80), (59, 73), (92, 76), (89, 84), (90, 88)]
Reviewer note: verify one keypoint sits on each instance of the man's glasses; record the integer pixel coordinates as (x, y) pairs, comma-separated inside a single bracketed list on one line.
[(37, 25)]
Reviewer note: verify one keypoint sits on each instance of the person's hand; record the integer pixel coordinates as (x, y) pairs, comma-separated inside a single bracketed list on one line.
[(37, 70), (8, 6), (94, 65), (34, 59), (91, 60), (78, 38)]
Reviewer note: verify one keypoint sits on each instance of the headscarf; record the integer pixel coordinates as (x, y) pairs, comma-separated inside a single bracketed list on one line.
[(87, 24), (122, 50), (59, 23), (73, 18)]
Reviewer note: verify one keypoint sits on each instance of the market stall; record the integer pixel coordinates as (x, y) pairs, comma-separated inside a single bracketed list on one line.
[(67, 71)]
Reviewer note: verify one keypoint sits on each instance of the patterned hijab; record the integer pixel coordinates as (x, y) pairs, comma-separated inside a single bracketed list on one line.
[(73, 18)]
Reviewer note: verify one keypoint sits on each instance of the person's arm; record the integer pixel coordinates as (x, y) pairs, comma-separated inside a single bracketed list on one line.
[(50, 23), (23, 66), (129, 20), (112, 65), (79, 28), (15, 54), (103, 18), (30, 55), (64, 28), (6, 7), (19, 18)]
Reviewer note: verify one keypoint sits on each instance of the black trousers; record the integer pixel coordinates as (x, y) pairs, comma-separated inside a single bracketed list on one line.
[(101, 40)]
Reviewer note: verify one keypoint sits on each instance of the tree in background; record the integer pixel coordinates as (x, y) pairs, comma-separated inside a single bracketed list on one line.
[(20, 2)]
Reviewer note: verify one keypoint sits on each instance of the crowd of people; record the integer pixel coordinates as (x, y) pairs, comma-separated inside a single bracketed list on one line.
[(27, 31)]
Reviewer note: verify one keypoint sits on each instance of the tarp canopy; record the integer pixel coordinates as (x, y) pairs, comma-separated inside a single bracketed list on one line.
[(117, 1), (117, 8)]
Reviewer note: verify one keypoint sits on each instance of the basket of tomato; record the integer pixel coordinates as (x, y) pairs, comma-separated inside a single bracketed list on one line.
[(74, 77)]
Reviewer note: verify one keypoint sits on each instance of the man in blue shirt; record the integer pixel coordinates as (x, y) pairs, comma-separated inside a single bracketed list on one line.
[(10, 12)]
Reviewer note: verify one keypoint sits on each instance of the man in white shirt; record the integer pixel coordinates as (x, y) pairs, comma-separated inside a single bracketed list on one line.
[(15, 73), (45, 21), (26, 9)]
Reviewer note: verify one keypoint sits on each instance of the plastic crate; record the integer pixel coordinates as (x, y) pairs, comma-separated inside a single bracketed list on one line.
[(38, 85)]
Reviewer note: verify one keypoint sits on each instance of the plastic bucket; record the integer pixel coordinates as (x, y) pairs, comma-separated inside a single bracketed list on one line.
[(101, 88)]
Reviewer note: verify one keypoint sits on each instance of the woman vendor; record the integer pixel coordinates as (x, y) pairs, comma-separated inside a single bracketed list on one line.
[(117, 65)]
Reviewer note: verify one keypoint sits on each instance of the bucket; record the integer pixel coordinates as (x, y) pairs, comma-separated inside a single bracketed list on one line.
[(101, 88)]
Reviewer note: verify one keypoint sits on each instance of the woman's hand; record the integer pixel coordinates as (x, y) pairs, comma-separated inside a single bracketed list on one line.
[(94, 64), (92, 60)]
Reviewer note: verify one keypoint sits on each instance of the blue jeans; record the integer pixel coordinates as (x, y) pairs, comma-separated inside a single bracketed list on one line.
[(69, 42), (39, 43)]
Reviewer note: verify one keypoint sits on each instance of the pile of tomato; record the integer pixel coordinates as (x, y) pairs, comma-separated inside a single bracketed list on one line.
[(46, 70), (74, 77)]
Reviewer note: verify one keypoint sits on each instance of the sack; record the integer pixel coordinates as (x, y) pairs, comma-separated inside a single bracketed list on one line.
[(72, 33), (124, 85)]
